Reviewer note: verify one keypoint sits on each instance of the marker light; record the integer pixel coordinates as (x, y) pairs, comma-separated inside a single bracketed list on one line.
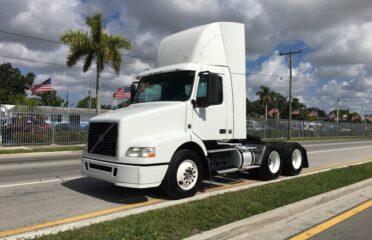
[(145, 152)]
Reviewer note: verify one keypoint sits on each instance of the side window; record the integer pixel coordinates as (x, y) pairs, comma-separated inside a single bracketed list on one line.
[(147, 93), (203, 88)]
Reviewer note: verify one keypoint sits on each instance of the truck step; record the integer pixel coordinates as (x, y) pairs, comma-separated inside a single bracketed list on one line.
[(250, 167), (229, 170)]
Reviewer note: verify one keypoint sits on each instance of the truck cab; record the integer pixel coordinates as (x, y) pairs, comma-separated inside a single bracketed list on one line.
[(187, 120)]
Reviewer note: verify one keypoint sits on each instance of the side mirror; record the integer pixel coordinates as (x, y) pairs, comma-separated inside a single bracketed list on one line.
[(213, 89), (133, 89), (200, 102)]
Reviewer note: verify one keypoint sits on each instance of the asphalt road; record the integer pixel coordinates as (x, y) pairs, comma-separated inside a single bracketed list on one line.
[(40, 189), (356, 227)]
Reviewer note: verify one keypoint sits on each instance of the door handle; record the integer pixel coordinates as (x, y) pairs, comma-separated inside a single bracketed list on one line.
[(222, 131)]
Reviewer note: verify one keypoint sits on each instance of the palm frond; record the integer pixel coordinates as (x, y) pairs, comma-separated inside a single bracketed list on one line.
[(119, 42), (95, 25), (88, 61), (80, 46), (113, 44)]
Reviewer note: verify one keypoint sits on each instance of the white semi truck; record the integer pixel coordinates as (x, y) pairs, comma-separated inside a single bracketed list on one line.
[(187, 121)]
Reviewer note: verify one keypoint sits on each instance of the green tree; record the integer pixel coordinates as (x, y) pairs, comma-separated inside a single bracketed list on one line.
[(278, 101), (23, 100), (96, 45), (84, 103), (13, 83), (264, 94), (341, 114), (51, 99)]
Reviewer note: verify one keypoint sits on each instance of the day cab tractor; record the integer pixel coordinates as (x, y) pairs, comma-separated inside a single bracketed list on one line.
[(187, 121)]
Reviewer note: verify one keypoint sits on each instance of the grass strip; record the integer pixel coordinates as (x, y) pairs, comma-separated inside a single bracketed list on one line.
[(47, 149), (187, 219), (317, 138)]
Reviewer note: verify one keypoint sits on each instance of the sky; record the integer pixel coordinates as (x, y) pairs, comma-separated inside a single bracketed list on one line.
[(334, 36)]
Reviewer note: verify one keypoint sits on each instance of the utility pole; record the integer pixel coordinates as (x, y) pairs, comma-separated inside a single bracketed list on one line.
[(337, 117), (290, 53)]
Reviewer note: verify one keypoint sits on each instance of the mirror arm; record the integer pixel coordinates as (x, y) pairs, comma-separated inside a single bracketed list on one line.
[(194, 103)]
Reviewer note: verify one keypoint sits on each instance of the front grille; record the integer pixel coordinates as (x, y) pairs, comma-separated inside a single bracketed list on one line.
[(100, 167), (102, 138)]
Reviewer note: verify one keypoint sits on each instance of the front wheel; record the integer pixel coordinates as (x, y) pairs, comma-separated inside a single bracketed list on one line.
[(184, 174), (272, 164)]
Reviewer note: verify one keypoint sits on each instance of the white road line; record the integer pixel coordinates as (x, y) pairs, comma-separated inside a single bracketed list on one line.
[(338, 149), (76, 177), (41, 181), (332, 144)]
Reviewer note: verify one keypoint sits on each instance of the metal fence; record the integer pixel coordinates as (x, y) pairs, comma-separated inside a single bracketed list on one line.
[(278, 128), (27, 125)]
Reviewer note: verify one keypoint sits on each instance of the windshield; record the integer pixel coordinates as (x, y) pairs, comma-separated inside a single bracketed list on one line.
[(172, 86)]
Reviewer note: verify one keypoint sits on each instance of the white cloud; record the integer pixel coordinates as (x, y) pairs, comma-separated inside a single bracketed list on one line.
[(338, 32), (274, 74)]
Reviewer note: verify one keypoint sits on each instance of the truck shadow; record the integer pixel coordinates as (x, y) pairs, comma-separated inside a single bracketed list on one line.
[(120, 195), (109, 192), (227, 180)]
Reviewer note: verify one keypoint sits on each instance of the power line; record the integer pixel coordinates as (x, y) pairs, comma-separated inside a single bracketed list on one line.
[(262, 74), (58, 42), (31, 37), (54, 64)]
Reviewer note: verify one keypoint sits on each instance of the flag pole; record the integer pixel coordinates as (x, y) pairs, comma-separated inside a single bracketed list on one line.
[(90, 98), (68, 103)]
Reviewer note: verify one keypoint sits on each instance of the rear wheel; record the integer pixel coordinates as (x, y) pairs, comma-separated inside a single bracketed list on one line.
[(184, 174), (293, 155), (271, 165)]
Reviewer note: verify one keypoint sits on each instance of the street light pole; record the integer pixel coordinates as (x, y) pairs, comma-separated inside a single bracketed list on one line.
[(337, 117), (290, 53)]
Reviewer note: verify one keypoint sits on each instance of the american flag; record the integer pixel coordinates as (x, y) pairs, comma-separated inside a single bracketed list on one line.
[(121, 94), (313, 114), (272, 112), (45, 86), (296, 112)]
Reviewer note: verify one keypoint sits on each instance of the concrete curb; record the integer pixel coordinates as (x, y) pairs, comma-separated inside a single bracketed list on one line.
[(38, 154), (162, 204), (258, 221)]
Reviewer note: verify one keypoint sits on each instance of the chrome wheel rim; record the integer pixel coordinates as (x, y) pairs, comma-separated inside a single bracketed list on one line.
[(274, 162), (187, 175), (296, 159)]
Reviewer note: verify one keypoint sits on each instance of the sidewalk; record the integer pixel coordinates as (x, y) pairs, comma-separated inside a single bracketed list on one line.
[(290, 220), (32, 147)]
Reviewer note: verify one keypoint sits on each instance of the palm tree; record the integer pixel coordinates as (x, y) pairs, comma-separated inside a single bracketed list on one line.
[(95, 45), (264, 95)]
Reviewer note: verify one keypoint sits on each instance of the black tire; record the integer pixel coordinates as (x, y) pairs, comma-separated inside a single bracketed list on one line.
[(170, 183), (291, 166), (264, 171)]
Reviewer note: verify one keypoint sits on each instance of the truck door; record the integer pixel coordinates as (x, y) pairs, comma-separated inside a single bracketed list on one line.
[(210, 123)]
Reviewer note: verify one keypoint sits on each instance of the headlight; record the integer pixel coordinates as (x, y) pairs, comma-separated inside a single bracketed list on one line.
[(141, 152)]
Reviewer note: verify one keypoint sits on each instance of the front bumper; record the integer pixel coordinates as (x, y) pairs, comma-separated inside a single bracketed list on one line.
[(132, 176)]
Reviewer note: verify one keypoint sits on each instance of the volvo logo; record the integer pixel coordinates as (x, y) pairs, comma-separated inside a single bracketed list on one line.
[(100, 139)]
